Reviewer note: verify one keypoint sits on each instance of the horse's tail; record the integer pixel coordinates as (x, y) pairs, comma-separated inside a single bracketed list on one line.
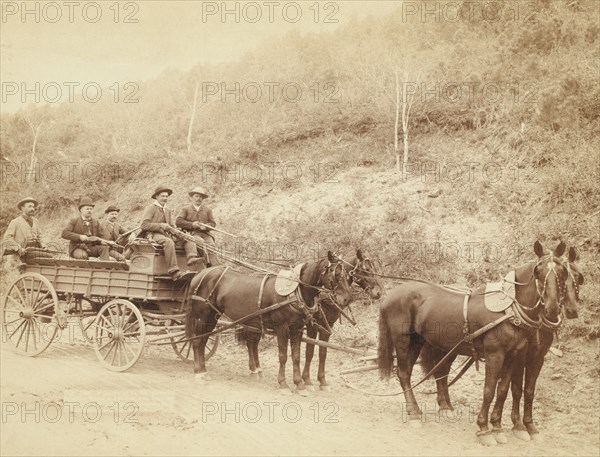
[(241, 335), (428, 358), (385, 350), (193, 312)]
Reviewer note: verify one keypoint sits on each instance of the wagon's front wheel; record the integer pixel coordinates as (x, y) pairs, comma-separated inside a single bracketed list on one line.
[(120, 335), (27, 310)]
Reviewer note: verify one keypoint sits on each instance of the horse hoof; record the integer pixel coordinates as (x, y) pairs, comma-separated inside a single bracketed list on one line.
[(500, 437), (254, 375), (447, 414), (201, 377), (310, 387), (303, 392), (325, 388), (522, 435), (536, 437), (285, 391), (415, 423), (486, 439)]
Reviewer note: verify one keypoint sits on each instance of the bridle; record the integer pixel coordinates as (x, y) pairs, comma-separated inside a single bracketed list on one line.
[(541, 291), (330, 279)]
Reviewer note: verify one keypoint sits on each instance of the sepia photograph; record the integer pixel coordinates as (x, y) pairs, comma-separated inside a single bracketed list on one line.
[(300, 228)]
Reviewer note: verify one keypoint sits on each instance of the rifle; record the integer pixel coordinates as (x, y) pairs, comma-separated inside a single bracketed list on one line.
[(218, 230), (97, 239), (128, 232)]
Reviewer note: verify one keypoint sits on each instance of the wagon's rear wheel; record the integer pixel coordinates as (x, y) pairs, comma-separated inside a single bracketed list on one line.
[(184, 349), (27, 311), (120, 335)]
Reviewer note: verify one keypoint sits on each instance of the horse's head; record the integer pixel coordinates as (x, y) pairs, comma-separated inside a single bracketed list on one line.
[(363, 275), (550, 279), (574, 280), (335, 278)]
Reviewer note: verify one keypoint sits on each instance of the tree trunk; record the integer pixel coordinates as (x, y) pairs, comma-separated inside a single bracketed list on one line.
[(396, 150), (192, 117)]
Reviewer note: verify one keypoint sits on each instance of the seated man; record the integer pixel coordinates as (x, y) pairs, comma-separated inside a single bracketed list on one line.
[(197, 219), (23, 232), (111, 230), (156, 225), (83, 232)]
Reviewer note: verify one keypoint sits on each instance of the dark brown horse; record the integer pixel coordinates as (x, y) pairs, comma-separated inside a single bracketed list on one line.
[(416, 312), (361, 273), (528, 369), (218, 291)]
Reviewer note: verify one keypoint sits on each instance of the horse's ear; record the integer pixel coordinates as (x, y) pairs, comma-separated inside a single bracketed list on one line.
[(332, 257), (560, 249), (572, 254), (359, 254), (538, 249)]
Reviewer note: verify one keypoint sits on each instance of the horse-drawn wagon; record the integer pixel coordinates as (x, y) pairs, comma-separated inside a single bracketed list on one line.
[(119, 306)]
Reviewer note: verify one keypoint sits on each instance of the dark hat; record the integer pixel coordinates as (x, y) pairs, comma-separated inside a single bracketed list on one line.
[(26, 200), (85, 201), (198, 190), (111, 208), (160, 189)]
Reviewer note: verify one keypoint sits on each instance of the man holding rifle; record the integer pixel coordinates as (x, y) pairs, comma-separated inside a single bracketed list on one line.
[(197, 219), (111, 230), (83, 232), (23, 234), (157, 225)]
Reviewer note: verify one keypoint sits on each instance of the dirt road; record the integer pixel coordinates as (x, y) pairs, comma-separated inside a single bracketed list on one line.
[(64, 403)]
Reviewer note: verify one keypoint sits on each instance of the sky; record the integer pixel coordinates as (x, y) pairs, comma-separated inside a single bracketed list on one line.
[(49, 47)]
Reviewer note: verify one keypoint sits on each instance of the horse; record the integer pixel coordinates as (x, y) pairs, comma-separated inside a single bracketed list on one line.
[(219, 290), (529, 368), (415, 312), (361, 274)]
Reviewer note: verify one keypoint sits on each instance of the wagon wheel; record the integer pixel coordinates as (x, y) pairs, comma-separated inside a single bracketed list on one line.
[(120, 334), (184, 350), (86, 322), (27, 309)]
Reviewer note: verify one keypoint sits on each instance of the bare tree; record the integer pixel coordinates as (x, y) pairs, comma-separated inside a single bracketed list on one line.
[(405, 99), (34, 120), (192, 117)]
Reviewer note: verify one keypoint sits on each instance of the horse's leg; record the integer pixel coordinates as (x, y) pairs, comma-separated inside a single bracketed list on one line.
[(295, 340), (282, 341), (431, 356), (516, 387), (311, 332), (323, 336), (250, 345), (407, 351), (199, 345), (494, 361), (256, 360), (501, 394), (531, 375)]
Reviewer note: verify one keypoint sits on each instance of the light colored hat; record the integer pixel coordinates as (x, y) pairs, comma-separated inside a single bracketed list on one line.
[(198, 190), (26, 200)]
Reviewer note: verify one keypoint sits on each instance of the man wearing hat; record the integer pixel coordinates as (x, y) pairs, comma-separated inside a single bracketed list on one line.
[(22, 232), (197, 219), (158, 224), (111, 230), (79, 232)]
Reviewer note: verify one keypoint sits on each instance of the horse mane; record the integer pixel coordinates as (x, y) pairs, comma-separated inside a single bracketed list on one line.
[(310, 274)]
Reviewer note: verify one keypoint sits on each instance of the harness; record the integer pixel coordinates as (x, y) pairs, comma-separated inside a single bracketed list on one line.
[(294, 301)]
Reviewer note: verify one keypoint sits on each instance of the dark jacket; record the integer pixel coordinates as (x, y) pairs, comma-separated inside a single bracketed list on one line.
[(74, 228), (188, 215), (153, 216)]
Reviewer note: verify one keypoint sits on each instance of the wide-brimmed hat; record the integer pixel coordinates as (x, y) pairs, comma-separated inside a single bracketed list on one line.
[(160, 189), (198, 190), (26, 200), (85, 201), (111, 209)]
